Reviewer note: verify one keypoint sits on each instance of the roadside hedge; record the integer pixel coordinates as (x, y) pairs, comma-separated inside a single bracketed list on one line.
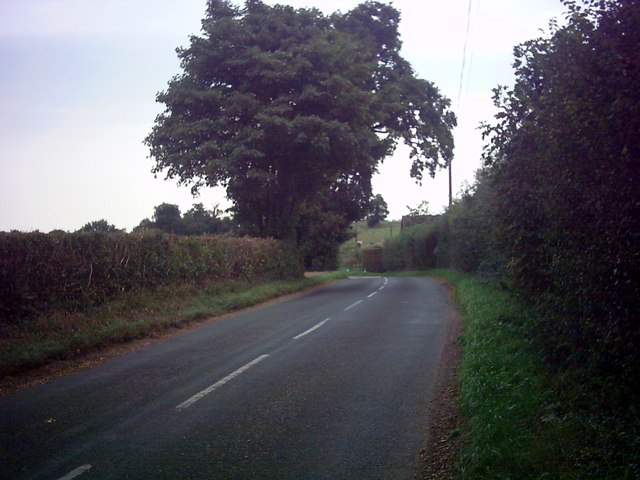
[(372, 259), (416, 248), (75, 270)]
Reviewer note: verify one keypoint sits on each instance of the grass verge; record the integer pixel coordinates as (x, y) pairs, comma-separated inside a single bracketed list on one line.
[(135, 315), (512, 427), (522, 419)]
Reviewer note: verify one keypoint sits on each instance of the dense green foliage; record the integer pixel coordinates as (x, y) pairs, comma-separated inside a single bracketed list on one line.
[(286, 108), (197, 220), (98, 226), (378, 211), (564, 169), (167, 218), (469, 234), (324, 224), (554, 213), (414, 249), (71, 271)]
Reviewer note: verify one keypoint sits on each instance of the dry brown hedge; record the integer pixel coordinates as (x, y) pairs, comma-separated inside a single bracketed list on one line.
[(76, 270)]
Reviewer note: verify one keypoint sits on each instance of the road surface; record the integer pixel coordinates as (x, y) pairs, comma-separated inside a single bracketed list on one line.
[(332, 384)]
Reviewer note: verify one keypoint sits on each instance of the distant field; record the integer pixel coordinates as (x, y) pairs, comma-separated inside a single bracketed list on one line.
[(368, 236)]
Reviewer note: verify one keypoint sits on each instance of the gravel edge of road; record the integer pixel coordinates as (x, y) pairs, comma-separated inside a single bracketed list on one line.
[(442, 443)]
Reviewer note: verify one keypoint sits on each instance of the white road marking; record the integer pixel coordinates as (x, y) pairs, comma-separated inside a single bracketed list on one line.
[(76, 473), (311, 329), (369, 296), (353, 305), (219, 383)]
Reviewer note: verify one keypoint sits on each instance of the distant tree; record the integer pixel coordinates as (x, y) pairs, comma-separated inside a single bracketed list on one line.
[(283, 106), (198, 221), (98, 226), (378, 211), (167, 218), (146, 224), (421, 209)]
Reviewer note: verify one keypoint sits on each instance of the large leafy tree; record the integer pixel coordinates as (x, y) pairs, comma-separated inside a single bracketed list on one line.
[(284, 107), (98, 226)]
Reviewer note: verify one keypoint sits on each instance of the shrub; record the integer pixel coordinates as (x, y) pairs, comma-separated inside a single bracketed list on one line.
[(414, 249), (72, 271), (373, 259)]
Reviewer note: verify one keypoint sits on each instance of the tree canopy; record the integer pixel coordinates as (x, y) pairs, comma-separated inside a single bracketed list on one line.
[(167, 217), (288, 107), (195, 221), (378, 211), (98, 226)]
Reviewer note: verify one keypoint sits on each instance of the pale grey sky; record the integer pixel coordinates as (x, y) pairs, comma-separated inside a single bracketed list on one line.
[(78, 80)]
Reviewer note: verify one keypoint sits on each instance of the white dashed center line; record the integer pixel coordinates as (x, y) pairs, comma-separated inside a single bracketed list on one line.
[(353, 305), (219, 383), (307, 332), (76, 473), (228, 378)]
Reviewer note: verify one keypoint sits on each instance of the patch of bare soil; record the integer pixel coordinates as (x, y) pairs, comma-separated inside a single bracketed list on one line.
[(442, 444), (315, 274)]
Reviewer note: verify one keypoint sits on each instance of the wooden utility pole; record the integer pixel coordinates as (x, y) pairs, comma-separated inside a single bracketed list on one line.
[(450, 184)]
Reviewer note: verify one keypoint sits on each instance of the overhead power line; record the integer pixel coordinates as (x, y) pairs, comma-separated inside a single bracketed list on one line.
[(464, 51), (462, 70)]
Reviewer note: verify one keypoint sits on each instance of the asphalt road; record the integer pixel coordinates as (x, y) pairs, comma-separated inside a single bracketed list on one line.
[(332, 384)]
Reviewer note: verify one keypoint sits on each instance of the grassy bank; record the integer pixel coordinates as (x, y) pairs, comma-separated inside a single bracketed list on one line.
[(133, 315), (368, 236), (521, 419), (506, 397)]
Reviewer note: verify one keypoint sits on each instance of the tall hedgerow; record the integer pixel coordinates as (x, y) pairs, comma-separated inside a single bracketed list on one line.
[(416, 248), (564, 156), (554, 213), (70, 271)]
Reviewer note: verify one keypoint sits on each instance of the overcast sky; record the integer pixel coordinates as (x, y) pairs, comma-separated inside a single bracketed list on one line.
[(78, 80)]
